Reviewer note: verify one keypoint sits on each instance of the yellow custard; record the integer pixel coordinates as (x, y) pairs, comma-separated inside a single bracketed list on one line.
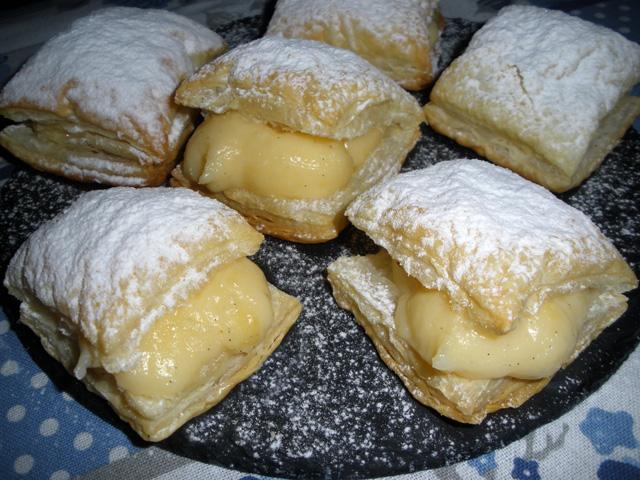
[(451, 342), (230, 151), (229, 315)]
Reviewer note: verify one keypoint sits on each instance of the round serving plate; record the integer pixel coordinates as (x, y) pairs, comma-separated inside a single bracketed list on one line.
[(324, 405)]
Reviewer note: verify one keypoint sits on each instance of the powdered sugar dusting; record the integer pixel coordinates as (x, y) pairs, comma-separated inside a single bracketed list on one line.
[(278, 56), (542, 74), (467, 200), (116, 69)]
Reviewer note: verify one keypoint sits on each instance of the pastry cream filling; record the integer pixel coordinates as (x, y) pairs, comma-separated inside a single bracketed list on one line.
[(229, 315), (452, 342), (230, 151)]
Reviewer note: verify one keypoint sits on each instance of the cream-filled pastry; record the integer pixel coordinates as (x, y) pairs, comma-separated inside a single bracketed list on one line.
[(486, 286), (95, 103), (293, 131), (400, 37), (146, 295), (541, 92)]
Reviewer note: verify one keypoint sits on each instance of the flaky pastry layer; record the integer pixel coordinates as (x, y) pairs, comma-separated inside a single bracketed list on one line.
[(118, 259), (88, 156), (95, 280), (302, 86), (519, 156)]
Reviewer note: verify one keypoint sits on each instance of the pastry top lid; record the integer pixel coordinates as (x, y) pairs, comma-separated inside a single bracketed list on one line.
[(116, 69), (403, 20), (495, 242), (117, 259), (303, 85), (544, 77)]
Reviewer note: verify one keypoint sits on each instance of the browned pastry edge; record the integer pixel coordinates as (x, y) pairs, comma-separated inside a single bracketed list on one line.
[(266, 222), (522, 159), (150, 175)]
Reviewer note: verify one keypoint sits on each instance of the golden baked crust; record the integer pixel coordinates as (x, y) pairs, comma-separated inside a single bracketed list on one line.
[(323, 229), (307, 87), (77, 119), (97, 278), (86, 156), (520, 157), (399, 37), (540, 92)]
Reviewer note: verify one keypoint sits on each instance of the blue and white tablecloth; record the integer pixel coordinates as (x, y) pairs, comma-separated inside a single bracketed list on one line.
[(46, 434)]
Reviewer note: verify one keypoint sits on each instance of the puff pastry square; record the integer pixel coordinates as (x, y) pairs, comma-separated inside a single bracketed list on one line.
[(487, 284), (400, 37), (95, 104), (540, 92), (146, 296), (294, 130)]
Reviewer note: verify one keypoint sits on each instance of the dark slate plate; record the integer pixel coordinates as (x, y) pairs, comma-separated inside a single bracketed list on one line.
[(324, 404)]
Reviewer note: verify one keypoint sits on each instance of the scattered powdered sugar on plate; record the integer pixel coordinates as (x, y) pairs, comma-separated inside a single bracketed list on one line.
[(242, 31), (611, 198), (324, 405)]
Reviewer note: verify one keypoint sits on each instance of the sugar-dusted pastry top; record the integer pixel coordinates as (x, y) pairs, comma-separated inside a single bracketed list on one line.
[(304, 85), (495, 242), (381, 17), (543, 77), (397, 36), (117, 259), (116, 69)]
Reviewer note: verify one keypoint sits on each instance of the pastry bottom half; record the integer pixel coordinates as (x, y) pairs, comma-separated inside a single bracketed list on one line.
[(524, 160), (363, 285), (155, 419), (86, 155), (313, 220), (316, 228)]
